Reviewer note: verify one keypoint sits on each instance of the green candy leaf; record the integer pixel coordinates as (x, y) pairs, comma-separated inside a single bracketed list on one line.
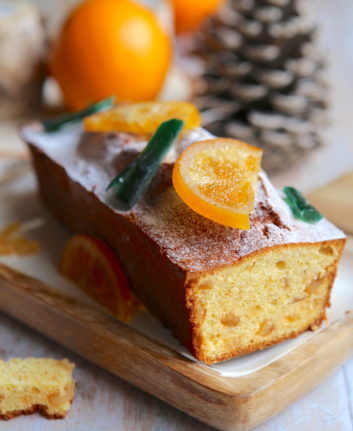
[(130, 184), (54, 124), (300, 208)]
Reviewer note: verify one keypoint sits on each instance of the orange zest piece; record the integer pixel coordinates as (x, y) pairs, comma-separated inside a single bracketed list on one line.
[(217, 179), (12, 242), (92, 266), (142, 118)]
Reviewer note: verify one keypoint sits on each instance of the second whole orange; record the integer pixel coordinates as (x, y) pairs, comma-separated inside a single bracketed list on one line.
[(110, 47), (188, 15)]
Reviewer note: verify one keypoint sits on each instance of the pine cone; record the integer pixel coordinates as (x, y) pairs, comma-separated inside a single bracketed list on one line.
[(262, 78)]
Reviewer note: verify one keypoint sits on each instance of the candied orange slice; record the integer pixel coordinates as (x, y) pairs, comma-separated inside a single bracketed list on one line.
[(217, 179), (12, 242), (142, 118), (89, 263)]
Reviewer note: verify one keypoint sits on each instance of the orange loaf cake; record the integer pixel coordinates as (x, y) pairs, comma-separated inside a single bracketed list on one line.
[(36, 384), (222, 291)]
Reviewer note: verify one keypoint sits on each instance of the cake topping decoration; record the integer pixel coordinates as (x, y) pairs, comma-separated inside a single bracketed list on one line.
[(192, 242), (142, 118), (54, 124), (132, 182), (103, 277), (300, 208), (217, 179)]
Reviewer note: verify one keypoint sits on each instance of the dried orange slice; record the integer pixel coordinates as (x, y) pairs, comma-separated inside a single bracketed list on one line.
[(92, 266), (143, 118), (217, 179), (12, 242)]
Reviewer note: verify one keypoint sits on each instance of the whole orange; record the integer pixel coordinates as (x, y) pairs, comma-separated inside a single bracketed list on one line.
[(189, 14), (110, 47)]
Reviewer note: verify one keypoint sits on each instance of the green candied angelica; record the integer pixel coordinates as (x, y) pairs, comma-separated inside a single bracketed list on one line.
[(132, 181), (300, 208), (54, 124)]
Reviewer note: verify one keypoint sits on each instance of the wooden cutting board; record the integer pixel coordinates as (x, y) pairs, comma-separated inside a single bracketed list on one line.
[(226, 403)]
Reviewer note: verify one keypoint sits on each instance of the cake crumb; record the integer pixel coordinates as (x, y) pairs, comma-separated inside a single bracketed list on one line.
[(36, 384)]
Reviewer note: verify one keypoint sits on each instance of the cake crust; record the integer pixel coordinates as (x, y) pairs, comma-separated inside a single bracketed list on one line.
[(190, 241), (43, 410), (164, 246)]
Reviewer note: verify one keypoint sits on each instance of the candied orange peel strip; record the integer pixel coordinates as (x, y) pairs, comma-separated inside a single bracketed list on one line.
[(217, 179), (142, 118), (12, 241)]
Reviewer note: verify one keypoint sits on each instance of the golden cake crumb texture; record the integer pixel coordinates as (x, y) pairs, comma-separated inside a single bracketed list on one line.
[(34, 384)]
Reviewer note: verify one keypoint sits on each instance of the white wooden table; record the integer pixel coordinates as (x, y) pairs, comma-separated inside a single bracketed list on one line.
[(104, 402)]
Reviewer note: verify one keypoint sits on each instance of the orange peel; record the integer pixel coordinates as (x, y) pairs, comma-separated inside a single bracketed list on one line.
[(90, 264), (142, 118), (217, 179)]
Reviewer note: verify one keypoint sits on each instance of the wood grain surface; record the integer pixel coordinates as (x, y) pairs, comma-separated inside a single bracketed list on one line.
[(104, 402), (336, 200), (235, 404)]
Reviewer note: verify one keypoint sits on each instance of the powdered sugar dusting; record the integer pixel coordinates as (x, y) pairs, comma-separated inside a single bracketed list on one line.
[(196, 243), (189, 240)]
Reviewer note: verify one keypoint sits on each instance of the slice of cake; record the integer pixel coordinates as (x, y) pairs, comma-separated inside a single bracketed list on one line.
[(29, 385), (222, 291)]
